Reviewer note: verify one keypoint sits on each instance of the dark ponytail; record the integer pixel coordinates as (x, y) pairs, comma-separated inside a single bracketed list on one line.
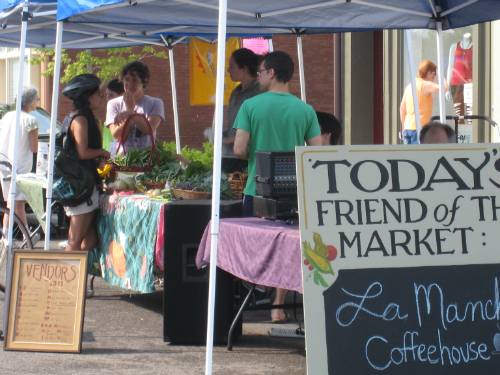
[(82, 105)]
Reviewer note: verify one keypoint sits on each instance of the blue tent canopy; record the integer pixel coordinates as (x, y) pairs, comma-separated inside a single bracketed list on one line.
[(119, 23), (42, 27), (324, 16)]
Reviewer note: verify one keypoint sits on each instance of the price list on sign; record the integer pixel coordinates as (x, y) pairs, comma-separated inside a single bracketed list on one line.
[(46, 304)]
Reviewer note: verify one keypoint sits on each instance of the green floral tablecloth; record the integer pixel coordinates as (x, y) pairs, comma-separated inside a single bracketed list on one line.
[(32, 187), (127, 229)]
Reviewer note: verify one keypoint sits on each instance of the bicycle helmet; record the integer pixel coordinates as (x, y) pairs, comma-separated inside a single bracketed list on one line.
[(79, 84)]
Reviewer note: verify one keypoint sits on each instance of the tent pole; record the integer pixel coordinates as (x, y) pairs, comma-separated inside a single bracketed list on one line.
[(219, 107), (170, 46), (301, 68), (53, 131), (174, 96), (442, 109), (14, 136), (413, 81)]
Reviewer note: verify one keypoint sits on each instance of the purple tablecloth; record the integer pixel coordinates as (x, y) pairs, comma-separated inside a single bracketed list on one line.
[(257, 250)]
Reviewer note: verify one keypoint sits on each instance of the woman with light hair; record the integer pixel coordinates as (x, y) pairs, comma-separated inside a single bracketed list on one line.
[(26, 146), (427, 72)]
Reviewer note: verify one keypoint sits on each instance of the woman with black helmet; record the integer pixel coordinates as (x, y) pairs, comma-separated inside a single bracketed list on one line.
[(84, 91)]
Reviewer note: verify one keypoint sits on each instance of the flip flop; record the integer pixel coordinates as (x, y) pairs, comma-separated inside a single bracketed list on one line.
[(281, 321)]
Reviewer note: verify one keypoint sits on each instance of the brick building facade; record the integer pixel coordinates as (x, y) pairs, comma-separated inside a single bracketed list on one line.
[(318, 67)]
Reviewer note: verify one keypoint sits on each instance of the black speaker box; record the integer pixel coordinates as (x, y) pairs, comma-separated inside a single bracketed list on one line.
[(185, 296), (275, 174)]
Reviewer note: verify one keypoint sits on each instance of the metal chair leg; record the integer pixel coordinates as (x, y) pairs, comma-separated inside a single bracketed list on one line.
[(238, 315)]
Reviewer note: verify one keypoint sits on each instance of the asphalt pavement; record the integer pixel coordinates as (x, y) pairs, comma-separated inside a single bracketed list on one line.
[(123, 334)]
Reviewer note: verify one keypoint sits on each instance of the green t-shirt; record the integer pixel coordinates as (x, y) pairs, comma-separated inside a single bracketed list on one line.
[(276, 122)]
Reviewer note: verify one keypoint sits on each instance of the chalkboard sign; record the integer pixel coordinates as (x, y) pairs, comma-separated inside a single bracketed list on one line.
[(436, 320), (47, 301), (400, 258)]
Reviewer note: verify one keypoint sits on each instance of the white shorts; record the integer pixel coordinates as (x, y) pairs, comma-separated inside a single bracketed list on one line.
[(84, 208), (6, 187)]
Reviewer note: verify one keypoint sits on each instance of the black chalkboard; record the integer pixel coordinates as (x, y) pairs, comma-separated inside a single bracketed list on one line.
[(373, 314)]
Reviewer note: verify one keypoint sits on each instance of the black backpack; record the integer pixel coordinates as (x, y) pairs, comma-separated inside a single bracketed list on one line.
[(74, 181)]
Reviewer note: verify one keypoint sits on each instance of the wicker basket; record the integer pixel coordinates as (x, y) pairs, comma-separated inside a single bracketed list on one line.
[(237, 183), (154, 185), (193, 194), (120, 168)]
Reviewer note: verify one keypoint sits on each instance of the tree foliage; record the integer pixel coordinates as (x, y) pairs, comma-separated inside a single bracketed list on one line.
[(106, 67)]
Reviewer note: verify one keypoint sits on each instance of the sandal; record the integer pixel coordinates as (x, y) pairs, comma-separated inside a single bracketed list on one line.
[(281, 321)]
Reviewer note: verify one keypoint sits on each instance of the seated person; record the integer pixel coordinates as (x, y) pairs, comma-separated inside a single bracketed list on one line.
[(437, 132), (331, 130)]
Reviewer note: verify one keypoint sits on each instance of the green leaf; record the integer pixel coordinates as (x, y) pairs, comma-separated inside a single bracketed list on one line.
[(322, 280), (316, 277), (106, 64)]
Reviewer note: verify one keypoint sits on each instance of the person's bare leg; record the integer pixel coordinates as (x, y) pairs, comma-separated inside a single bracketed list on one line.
[(90, 241), (19, 210), (78, 230), (5, 221), (279, 300)]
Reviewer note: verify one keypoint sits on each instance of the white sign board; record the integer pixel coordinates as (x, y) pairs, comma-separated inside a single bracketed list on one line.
[(400, 250)]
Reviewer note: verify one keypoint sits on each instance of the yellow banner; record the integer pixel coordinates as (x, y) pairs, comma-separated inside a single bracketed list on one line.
[(203, 71)]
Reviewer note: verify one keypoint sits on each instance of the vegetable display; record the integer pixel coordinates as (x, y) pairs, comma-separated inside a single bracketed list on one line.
[(166, 169), (198, 175)]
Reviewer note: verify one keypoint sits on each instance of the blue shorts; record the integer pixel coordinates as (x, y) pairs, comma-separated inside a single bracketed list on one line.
[(411, 137)]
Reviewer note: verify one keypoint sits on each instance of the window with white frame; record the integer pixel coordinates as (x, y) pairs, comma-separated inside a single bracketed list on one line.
[(13, 74), (457, 53)]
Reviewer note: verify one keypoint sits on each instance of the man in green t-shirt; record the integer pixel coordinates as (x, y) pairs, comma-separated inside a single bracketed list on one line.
[(273, 121)]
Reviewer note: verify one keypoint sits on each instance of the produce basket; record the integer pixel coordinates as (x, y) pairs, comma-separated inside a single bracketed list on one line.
[(237, 183), (120, 168), (154, 185), (192, 194)]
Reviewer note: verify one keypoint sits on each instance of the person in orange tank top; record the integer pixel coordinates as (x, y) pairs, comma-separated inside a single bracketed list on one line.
[(427, 72)]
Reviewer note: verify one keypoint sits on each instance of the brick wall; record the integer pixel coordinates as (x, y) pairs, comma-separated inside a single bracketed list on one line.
[(318, 67)]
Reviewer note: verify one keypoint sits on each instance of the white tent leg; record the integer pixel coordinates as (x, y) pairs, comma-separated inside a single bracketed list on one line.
[(219, 107), (15, 140), (413, 81), (301, 68), (53, 131), (174, 99), (271, 46), (442, 109)]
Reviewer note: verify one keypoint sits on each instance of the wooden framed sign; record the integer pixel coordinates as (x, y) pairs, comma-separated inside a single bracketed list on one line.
[(47, 301), (401, 259)]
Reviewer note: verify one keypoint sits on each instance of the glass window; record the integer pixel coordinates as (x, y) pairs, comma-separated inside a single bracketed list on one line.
[(457, 53), (14, 78), (495, 77)]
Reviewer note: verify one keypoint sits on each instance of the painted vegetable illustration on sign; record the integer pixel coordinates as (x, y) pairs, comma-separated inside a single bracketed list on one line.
[(318, 259)]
